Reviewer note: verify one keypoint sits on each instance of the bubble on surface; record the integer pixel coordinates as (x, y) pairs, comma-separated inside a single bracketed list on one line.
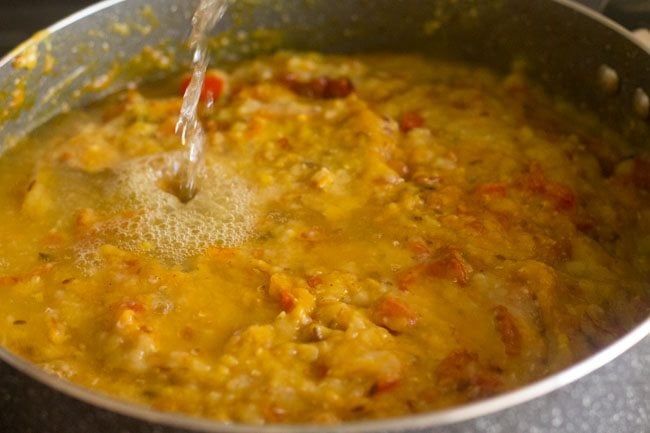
[(145, 217)]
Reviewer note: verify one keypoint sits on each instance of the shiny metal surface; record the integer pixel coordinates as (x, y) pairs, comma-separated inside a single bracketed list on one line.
[(563, 47)]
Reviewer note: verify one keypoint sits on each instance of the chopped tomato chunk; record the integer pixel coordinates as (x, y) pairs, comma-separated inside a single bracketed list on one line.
[(535, 181), (384, 385), (408, 277), (507, 327), (461, 371), (314, 281), (287, 301), (394, 315), (446, 264), (562, 196), (451, 266), (320, 87), (410, 120), (498, 189)]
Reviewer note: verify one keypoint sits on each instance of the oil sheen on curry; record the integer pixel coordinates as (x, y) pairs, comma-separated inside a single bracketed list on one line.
[(374, 236)]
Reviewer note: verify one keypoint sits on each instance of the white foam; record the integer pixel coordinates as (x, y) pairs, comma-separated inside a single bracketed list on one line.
[(149, 219)]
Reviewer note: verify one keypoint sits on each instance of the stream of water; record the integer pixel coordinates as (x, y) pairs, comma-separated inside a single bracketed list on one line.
[(189, 127)]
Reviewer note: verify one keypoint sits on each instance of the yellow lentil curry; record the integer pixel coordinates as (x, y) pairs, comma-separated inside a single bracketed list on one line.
[(375, 236)]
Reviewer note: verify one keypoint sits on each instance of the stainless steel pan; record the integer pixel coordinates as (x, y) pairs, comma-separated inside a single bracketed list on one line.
[(571, 50)]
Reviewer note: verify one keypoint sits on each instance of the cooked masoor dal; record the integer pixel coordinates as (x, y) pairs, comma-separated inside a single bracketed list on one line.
[(374, 236)]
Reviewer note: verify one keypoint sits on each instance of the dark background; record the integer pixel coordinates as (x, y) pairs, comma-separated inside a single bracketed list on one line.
[(19, 19)]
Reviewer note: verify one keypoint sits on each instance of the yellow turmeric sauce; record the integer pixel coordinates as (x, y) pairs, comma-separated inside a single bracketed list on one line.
[(401, 235)]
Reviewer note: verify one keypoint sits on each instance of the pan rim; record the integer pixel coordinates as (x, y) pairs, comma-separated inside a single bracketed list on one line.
[(443, 417)]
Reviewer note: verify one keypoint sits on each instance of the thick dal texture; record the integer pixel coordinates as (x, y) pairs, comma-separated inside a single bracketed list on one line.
[(375, 236)]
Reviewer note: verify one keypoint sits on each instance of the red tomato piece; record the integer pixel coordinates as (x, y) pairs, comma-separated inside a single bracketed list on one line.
[(213, 86), (446, 263), (536, 182), (461, 371), (338, 88), (320, 87), (410, 120), (563, 197), (498, 189), (384, 385), (287, 301), (506, 326), (452, 266), (394, 315)]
